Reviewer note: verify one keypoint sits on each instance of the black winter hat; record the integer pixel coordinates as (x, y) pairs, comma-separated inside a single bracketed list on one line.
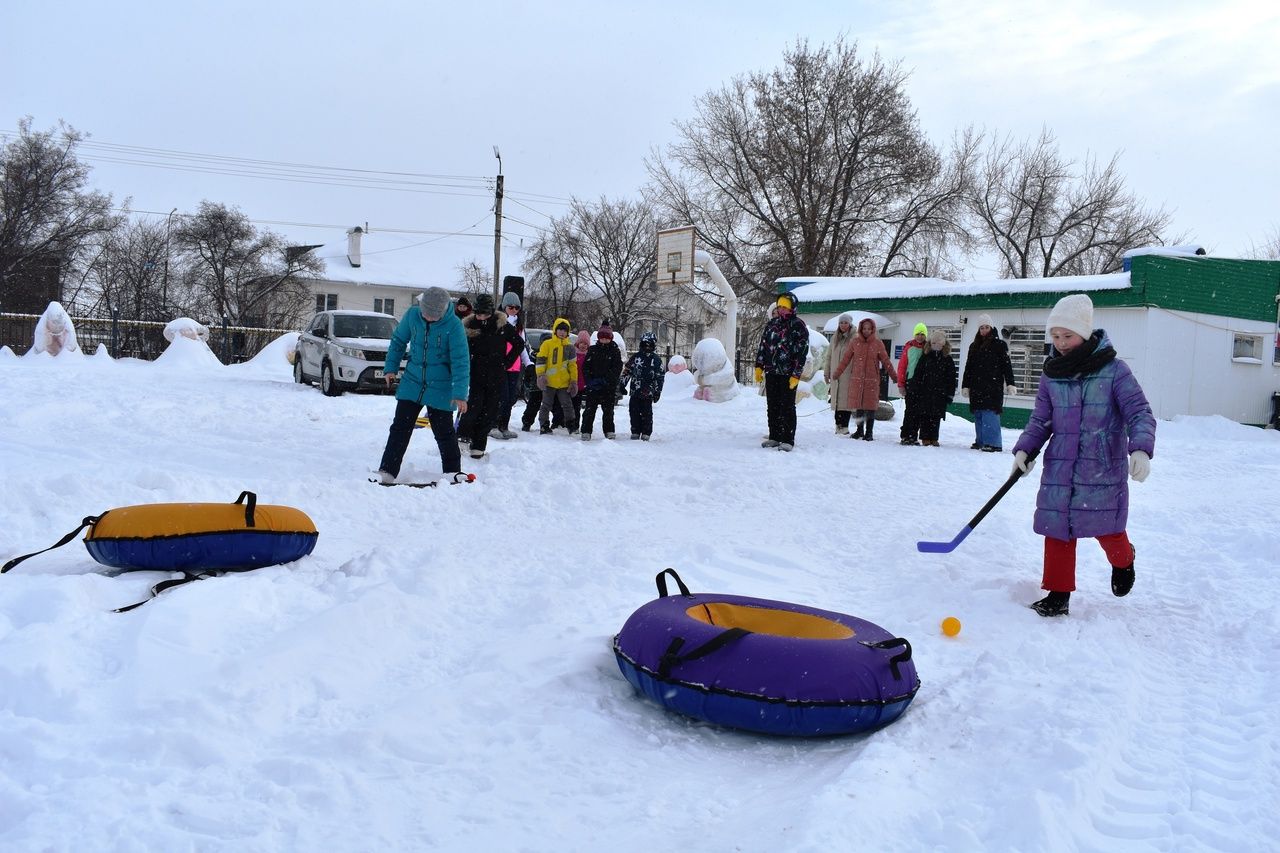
[(484, 304)]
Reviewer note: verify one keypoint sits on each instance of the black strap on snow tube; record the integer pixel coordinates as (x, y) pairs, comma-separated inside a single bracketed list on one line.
[(89, 520), (901, 657), (672, 657), (167, 585), (248, 507), (662, 583)]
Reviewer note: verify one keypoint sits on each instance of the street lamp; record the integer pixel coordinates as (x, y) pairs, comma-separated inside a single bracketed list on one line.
[(164, 287), (497, 227)]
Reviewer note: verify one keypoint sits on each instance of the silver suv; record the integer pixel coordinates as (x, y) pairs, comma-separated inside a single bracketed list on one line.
[(344, 351)]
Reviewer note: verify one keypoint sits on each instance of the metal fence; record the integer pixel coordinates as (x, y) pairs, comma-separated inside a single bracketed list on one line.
[(138, 338)]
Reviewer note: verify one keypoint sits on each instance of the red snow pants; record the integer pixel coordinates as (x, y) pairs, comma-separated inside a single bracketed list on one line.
[(1060, 559)]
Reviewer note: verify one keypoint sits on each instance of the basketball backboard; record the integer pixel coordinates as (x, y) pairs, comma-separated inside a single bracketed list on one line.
[(675, 255)]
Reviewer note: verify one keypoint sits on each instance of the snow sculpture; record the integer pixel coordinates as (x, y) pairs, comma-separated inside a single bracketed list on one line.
[(812, 380), (713, 372), (55, 332), (679, 378), (677, 364), (188, 328)]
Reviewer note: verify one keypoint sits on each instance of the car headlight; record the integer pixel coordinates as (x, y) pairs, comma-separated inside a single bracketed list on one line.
[(354, 353)]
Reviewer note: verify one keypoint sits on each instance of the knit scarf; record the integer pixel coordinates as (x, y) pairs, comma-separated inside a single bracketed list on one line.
[(1086, 358)]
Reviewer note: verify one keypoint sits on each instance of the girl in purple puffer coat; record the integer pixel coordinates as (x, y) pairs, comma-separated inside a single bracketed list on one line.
[(1100, 432)]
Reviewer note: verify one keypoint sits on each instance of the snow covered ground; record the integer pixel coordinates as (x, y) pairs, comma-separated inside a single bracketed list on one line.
[(437, 674)]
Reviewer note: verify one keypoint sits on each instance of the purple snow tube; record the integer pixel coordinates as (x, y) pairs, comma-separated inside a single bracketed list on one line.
[(765, 666)]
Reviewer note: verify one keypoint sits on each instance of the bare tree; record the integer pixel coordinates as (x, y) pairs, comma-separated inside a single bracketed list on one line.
[(554, 286), (237, 272), (127, 274), (473, 277), (48, 220), (1269, 249), (612, 246), (819, 168), (1045, 217)]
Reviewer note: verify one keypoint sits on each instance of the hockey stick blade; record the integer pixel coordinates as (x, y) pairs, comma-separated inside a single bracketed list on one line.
[(948, 547)]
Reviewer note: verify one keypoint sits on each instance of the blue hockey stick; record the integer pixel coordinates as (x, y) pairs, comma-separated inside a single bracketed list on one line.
[(948, 547)]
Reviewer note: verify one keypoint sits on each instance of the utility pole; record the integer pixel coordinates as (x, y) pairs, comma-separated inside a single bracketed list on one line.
[(497, 228)]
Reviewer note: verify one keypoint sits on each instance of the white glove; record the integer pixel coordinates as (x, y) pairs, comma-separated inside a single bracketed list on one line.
[(1139, 465), (964, 392), (1011, 389), (1020, 462)]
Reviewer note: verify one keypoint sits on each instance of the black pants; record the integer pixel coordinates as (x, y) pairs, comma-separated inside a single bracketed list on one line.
[(641, 409), (842, 417), (402, 430), (865, 421), (510, 393), (780, 399), (482, 410), (912, 415), (605, 401)]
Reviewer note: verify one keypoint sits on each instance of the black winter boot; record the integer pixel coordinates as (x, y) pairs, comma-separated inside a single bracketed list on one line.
[(1053, 604), (1122, 578)]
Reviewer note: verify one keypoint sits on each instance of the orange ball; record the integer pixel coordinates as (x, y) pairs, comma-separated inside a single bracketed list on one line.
[(951, 626)]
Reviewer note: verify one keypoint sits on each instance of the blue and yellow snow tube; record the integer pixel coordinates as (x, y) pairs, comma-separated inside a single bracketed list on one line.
[(200, 537)]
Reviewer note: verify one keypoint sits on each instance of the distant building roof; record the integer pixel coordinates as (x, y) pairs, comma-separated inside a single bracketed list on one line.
[(388, 260), (811, 289)]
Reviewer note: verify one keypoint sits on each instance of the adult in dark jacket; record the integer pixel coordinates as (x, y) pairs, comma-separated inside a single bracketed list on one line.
[(437, 376), (784, 346), (988, 376), (933, 386), (512, 308), (493, 345), (601, 369)]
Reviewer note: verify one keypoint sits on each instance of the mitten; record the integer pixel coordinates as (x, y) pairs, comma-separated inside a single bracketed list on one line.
[(1011, 389), (964, 392), (542, 383), (793, 382), (759, 375), (573, 390), (1139, 465), (1020, 463), (657, 397)]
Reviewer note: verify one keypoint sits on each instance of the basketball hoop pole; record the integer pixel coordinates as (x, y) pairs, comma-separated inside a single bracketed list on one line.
[(729, 331)]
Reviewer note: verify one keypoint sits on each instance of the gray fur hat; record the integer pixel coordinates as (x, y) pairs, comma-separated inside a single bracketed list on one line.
[(433, 303)]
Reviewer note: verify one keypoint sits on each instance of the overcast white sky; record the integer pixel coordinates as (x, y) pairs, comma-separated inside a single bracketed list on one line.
[(576, 93)]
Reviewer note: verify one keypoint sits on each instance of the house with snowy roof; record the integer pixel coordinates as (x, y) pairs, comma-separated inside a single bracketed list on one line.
[(1200, 333), (361, 275)]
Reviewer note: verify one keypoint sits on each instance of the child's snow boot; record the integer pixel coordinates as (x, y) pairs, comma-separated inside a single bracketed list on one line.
[(859, 432), (1122, 578), (635, 436), (1053, 604)]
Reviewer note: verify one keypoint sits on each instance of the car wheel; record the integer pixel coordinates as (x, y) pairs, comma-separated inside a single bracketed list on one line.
[(297, 372), (328, 384)]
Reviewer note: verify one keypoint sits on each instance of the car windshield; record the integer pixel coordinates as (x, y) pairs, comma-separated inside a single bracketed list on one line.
[(346, 326)]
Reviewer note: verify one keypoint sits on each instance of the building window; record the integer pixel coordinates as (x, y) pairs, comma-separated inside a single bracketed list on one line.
[(697, 331), (326, 301), (1247, 348), (662, 333), (385, 306), (1027, 350)]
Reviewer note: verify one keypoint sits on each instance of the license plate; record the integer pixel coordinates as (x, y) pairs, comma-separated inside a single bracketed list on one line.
[(378, 374)]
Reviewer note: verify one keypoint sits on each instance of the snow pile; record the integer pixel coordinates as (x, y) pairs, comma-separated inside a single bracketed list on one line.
[(712, 372), (188, 328), (188, 353), (55, 333), (273, 362)]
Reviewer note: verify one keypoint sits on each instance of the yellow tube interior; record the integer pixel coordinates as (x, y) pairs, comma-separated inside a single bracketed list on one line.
[(769, 620)]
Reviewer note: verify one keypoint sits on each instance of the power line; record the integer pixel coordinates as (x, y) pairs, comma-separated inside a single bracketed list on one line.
[(323, 225)]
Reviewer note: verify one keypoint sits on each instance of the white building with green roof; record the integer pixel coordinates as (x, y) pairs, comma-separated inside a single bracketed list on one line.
[(1200, 333)]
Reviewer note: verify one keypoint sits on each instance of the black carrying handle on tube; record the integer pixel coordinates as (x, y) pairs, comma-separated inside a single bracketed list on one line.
[(672, 657), (901, 657), (661, 580), (89, 521), (249, 506)]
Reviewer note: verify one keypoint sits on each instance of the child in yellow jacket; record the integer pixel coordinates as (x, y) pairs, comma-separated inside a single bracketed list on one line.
[(557, 370)]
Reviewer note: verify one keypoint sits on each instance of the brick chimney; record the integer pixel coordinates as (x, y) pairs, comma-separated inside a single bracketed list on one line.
[(353, 245)]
